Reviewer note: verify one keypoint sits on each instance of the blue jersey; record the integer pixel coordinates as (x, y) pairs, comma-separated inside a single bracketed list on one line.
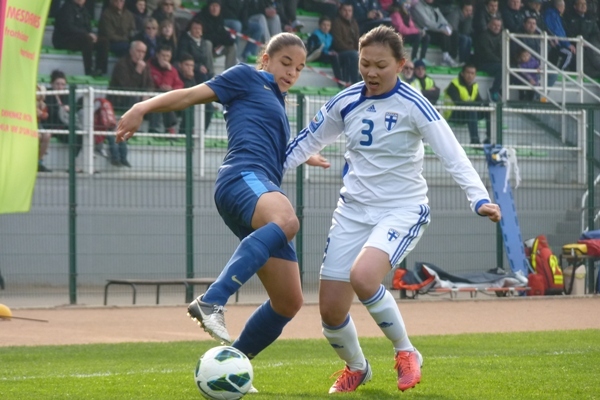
[(258, 129)]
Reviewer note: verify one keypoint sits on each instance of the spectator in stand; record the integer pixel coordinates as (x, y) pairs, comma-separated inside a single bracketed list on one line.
[(319, 48), (214, 31), (533, 9), (151, 6), (345, 32), (138, 9), (488, 54), (42, 115), (529, 28), (166, 36), (264, 13), (166, 10), (73, 31), (149, 37), (483, 15), (525, 60), (117, 25), (287, 14), (464, 91), (235, 16), (58, 110), (131, 72), (562, 51), (425, 84), (187, 76), (430, 18), (513, 16), (404, 24), (328, 8), (368, 14), (464, 29), (407, 75), (192, 42), (166, 78), (580, 23)]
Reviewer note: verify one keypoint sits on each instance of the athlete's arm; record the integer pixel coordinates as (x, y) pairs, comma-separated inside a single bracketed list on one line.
[(174, 100)]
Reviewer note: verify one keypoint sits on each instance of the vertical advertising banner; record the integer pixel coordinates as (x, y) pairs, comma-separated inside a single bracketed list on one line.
[(22, 25)]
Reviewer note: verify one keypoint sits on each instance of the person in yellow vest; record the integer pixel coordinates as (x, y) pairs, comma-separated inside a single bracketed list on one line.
[(425, 83), (464, 91)]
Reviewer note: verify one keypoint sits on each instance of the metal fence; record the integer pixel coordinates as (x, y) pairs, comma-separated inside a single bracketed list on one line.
[(91, 221)]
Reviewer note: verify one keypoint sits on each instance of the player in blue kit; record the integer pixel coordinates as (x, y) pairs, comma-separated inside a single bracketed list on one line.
[(382, 211), (247, 191)]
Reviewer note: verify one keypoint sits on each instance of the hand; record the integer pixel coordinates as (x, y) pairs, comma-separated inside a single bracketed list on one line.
[(94, 37), (491, 210), (129, 124), (165, 64), (573, 49), (140, 66), (203, 69), (318, 160)]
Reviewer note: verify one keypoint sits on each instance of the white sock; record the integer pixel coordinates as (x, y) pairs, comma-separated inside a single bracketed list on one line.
[(384, 310), (344, 340)]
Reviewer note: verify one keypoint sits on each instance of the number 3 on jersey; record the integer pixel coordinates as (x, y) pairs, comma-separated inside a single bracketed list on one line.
[(367, 132)]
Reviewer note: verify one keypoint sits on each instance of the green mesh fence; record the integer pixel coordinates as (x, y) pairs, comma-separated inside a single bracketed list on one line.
[(99, 219)]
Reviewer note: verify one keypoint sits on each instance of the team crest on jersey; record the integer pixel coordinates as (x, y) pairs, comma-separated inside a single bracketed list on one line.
[(316, 121), (393, 234), (390, 120)]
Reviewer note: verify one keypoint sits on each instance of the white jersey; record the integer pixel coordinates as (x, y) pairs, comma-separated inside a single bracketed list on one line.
[(384, 146)]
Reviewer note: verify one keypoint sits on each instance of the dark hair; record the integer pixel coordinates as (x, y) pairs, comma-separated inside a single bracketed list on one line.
[(186, 57), (278, 43), (323, 18), (57, 74), (164, 47), (468, 65), (384, 35)]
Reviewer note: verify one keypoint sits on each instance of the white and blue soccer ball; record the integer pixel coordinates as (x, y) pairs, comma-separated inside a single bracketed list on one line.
[(224, 373)]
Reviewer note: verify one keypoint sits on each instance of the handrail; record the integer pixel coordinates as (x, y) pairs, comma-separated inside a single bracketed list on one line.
[(581, 78)]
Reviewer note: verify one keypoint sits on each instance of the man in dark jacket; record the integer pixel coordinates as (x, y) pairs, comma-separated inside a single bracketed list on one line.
[(130, 73), (581, 23), (214, 30), (192, 42), (73, 31), (345, 32), (186, 74), (488, 53), (512, 16)]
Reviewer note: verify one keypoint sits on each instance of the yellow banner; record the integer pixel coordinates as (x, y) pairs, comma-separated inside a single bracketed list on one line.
[(22, 25)]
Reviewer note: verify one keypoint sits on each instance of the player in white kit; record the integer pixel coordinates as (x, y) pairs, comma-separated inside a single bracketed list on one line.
[(382, 211)]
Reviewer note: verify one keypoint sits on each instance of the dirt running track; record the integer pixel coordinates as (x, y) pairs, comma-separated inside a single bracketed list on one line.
[(75, 325)]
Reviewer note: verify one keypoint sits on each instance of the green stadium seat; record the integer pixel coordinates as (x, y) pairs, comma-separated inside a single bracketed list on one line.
[(310, 90), (329, 91)]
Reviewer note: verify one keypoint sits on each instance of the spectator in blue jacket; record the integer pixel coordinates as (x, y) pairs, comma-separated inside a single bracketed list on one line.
[(562, 51), (319, 47)]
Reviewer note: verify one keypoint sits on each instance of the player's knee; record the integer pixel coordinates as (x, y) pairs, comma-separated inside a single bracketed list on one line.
[(289, 224), (331, 317), (288, 308)]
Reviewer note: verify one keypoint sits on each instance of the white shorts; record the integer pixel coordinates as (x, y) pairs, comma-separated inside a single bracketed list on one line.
[(395, 231)]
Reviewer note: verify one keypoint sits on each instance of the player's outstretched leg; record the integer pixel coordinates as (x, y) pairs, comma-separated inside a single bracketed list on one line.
[(211, 318), (408, 365)]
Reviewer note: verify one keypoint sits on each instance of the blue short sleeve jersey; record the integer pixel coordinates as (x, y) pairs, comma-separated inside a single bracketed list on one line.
[(258, 129)]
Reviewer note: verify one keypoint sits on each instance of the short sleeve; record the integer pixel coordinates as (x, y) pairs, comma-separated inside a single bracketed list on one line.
[(232, 83)]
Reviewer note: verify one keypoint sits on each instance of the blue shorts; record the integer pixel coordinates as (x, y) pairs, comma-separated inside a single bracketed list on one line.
[(236, 199)]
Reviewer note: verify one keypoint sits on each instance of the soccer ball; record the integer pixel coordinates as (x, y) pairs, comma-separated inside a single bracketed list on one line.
[(224, 373)]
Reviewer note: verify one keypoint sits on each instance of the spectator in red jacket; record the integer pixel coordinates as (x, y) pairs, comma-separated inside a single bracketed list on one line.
[(166, 78)]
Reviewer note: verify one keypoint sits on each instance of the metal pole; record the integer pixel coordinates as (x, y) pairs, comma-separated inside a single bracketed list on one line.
[(590, 200), (499, 237), (72, 200), (300, 193), (189, 201)]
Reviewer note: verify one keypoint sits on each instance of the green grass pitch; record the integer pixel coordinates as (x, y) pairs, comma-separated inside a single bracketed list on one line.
[(533, 365)]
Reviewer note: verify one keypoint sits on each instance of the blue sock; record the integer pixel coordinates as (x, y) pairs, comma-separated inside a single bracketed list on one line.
[(251, 254), (261, 329)]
